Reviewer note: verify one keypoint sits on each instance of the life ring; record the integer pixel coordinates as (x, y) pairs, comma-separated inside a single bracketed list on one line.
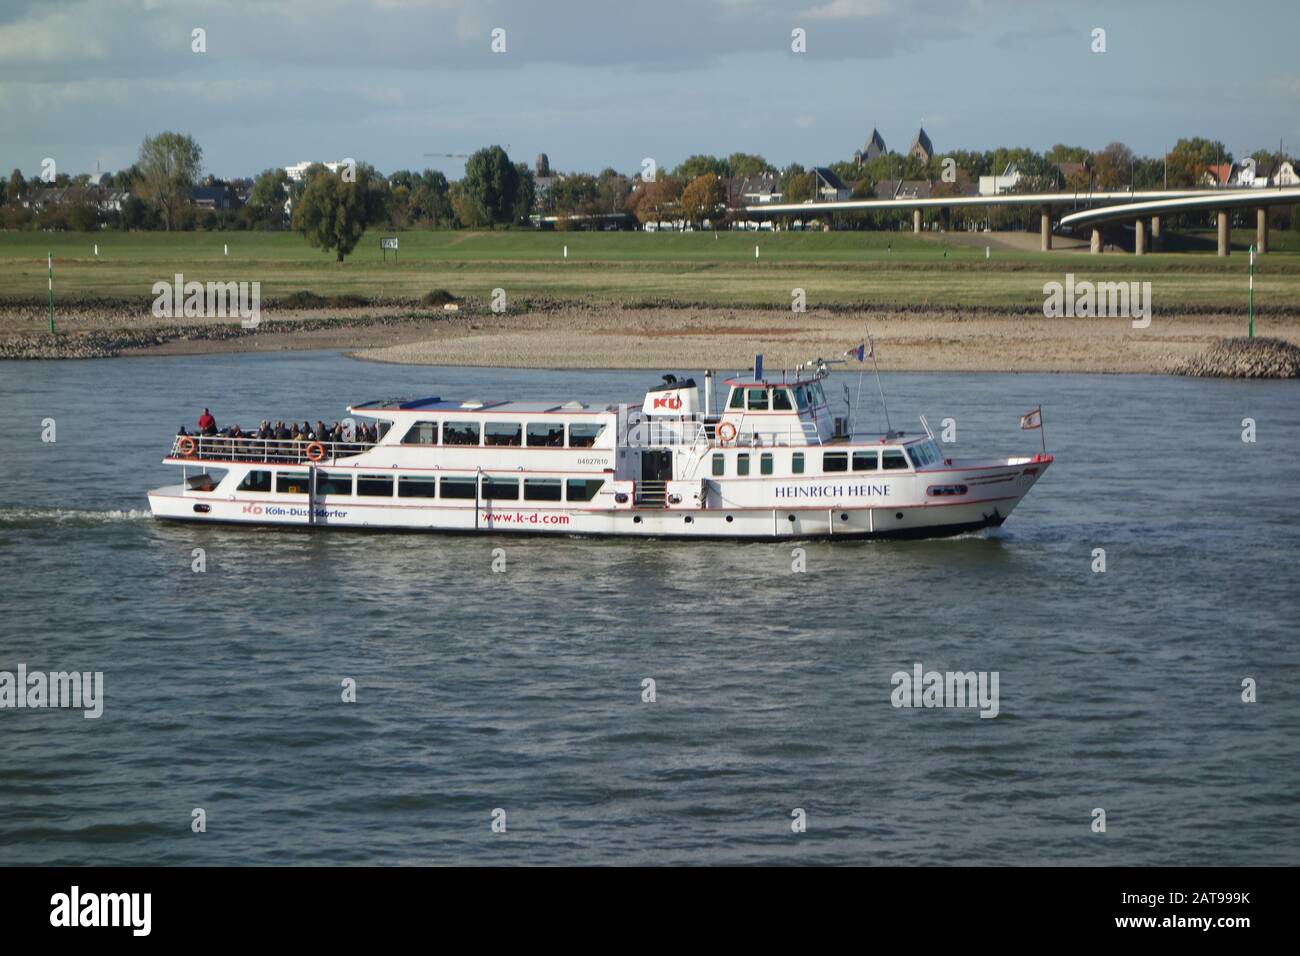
[(726, 433), (315, 451), (185, 447)]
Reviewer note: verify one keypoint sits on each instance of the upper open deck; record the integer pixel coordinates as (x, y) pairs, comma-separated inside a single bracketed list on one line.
[(395, 407)]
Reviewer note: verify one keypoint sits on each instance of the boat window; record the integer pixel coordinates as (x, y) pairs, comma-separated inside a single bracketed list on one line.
[(835, 461), (375, 486), (503, 433), (256, 481), (457, 487), (417, 486), (719, 465), (923, 453), (894, 460), (583, 436), (583, 489), (460, 433), (757, 399), (291, 482), (383, 430), (545, 435), (801, 398), (207, 481), (541, 489), (818, 393), (796, 463), (333, 483), (939, 491), (781, 400), (765, 463), (501, 489), (866, 460), (421, 433), (742, 464), (737, 399)]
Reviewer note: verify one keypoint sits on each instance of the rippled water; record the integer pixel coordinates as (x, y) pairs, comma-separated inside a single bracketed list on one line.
[(522, 690)]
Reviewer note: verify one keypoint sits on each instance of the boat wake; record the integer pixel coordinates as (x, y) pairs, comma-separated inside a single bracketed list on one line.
[(19, 517)]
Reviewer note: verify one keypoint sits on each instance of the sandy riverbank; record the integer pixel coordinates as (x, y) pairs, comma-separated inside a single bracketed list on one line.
[(722, 338), (660, 338)]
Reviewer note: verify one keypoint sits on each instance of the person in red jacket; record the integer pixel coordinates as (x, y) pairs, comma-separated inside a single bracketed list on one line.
[(207, 424)]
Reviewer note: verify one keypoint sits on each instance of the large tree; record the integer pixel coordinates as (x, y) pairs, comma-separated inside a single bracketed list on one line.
[(332, 212), (702, 199), (1186, 162), (16, 187), (492, 183), (1114, 167), (748, 164), (265, 206), (169, 165), (525, 193), (797, 184), (696, 166), (652, 202)]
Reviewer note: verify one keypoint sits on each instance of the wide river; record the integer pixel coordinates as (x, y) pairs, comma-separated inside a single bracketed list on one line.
[(521, 691)]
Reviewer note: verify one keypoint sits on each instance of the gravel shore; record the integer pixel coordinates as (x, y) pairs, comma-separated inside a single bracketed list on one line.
[(581, 336), (1244, 358)]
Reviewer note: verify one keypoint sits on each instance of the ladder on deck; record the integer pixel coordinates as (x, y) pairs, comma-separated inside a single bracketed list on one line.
[(652, 494)]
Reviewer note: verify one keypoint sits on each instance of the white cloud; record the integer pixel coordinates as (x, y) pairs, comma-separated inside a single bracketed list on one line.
[(848, 10)]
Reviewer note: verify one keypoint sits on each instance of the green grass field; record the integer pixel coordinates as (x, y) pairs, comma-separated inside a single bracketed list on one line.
[(846, 268)]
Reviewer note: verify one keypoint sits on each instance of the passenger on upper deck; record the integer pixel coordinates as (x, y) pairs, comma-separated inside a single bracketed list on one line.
[(207, 424)]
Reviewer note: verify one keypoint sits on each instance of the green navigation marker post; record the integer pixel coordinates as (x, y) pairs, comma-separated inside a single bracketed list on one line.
[(1252, 292), (51, 265)]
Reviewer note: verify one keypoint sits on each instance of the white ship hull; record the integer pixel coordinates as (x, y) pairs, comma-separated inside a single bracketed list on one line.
[(774, 465), (883, 519)]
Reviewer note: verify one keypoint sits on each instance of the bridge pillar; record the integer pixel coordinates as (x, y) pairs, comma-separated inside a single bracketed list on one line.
[(1261, 230), (1224, 245), (916, 220), (1140, 238), (1095, 246), (1156, 244), (1045, 228)]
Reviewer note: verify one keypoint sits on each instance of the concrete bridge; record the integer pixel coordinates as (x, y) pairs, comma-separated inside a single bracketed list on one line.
[(1220, 202), (1108, 205)]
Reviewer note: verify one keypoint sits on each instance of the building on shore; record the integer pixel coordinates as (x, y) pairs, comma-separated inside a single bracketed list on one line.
[(921, 147), (874, 148)]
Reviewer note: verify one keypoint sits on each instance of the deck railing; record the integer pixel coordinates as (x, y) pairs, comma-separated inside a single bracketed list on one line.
[(283, 451)]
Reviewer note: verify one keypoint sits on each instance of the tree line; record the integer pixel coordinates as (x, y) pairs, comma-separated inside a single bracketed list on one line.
[(333, 208)]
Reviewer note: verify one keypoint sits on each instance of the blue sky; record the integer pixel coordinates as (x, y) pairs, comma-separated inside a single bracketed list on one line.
[(597, 83)]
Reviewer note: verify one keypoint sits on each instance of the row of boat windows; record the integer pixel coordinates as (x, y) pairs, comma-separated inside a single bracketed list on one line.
[(507, 434), (425, 486), (890, 459), (777, 399)]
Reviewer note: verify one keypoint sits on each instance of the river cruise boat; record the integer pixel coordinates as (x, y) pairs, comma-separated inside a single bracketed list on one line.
[(771, 462)]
